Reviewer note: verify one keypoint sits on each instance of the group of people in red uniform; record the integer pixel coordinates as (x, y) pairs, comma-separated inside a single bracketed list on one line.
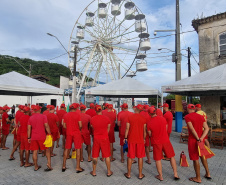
[(146, 126)]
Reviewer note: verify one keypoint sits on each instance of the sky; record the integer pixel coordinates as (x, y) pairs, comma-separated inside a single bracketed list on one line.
[(24, 24)]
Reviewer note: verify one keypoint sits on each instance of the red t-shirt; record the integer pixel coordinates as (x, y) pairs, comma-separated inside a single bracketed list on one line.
[(23, 124), (18, 115), (157, 126), (169, 119), (46, 112), (52, 121), (145, 115), (60, 115), (91, 112), (85, 122), (37, 122), (72, 123), (112, 116), (123, 117), (100, 126), (159, 112), (197, 121), (5, 126), (136, 130)]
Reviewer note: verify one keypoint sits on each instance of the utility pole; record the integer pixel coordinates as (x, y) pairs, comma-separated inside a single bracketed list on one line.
[(74, 88), (189, 70)]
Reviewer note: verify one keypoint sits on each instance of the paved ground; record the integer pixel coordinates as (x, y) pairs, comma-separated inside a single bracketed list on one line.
[(12, 173)]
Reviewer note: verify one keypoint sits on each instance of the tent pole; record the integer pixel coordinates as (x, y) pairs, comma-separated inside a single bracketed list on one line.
[(157, 101), (162, 100)]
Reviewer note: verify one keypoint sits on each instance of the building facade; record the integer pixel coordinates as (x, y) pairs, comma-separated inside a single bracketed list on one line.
[(212, 52)]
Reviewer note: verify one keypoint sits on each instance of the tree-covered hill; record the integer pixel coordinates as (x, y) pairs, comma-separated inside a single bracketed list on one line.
[(51, 70)]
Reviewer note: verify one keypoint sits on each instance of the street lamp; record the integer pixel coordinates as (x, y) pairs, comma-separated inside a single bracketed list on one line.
[(166, 49)]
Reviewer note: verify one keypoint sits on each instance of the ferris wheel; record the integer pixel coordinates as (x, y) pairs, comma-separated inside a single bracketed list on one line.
[(110, 37)]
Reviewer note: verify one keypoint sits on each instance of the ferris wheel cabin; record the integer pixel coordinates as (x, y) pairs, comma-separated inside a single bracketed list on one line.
[(129, 11), (89, 19), (102, 11)]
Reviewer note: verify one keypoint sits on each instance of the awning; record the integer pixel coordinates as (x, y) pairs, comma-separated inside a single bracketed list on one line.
[(124, 88), (208, 83), (14, 83)]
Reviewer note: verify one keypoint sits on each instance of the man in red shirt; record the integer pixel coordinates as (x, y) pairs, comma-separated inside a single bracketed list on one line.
[(1, 112), (53, 122), (197, 130), (24, 145), (122, 120), (91, 111), (169, 118), (37, 128), (73, 126), (101, 126), (19, 113), (135, 135), (5, 126), (161, 143), (112, 116), (85, 118), (145, 115), (46, 112), (60, 115)]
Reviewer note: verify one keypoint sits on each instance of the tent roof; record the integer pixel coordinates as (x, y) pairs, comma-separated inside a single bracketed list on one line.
[(207, 83), (124, 88), (14, 83)]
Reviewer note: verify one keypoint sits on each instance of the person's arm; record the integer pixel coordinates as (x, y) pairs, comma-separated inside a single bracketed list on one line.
[(127, 131), (47, 128), (64, 124), (29, 133), (205, 132), (145, 132), (109, 127), (191, 128), (119, 123), (80, 125), (149, 133)]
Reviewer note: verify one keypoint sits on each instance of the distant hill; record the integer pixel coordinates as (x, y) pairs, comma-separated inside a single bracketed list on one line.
[(51, 70)]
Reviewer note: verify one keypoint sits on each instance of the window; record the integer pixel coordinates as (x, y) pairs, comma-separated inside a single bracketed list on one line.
[(222, 44)]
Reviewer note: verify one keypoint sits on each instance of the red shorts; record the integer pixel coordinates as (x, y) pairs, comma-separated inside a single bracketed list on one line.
[(18, 137), (111, 136), (136, 150), (55, 135), (60, 129), (193, 149), (24, 145), (147, 141), (76, 139), (86, 138), (15, 136), (63, 131), (102, 145), (158, 150), (5, 132), (37, 145), (122, 140)]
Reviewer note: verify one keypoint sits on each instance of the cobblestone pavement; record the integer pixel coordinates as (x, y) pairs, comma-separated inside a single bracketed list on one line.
[(12, 173)]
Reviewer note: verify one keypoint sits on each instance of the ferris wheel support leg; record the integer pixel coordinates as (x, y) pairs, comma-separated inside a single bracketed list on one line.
[(87, 67), (97, 73)]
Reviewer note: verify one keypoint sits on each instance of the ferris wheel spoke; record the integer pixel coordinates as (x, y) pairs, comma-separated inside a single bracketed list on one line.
[(124, 49), (121, 61), (98, 71)]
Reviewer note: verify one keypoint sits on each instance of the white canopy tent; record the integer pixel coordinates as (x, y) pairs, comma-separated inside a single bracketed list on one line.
[(207, 83), (14, 83), (124, 88)]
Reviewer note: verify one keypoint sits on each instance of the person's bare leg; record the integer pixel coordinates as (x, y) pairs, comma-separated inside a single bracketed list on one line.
[(81, 154), (89, 152), (4, 142), (21, 157), (14, 149), (207, 143), (51, 150), (65, 158), (63, 141), (48, 156), (197, 172), (122, 155), (111, 147), (129, 166), (58, 140), (174, 166), (140, 167), (205, 165), (94, 166), (147, 150), (108, 164), (159, 169), (35, 159), (78, 159), (27, 156)]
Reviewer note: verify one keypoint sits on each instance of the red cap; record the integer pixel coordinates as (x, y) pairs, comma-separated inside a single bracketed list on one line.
[(82, 107), (6, 107), (139, 106), (33, 106), (62, 105), (48, 106), (110, 106), (37, 108), (198, 105), (165, 105), (124, 106), (74, 106), (191, 106), (21, 107), (98, 108), (106, 105), (26, 109), (152, 110), (91, 105), (146, 107), (152, 106), (51, 107)]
